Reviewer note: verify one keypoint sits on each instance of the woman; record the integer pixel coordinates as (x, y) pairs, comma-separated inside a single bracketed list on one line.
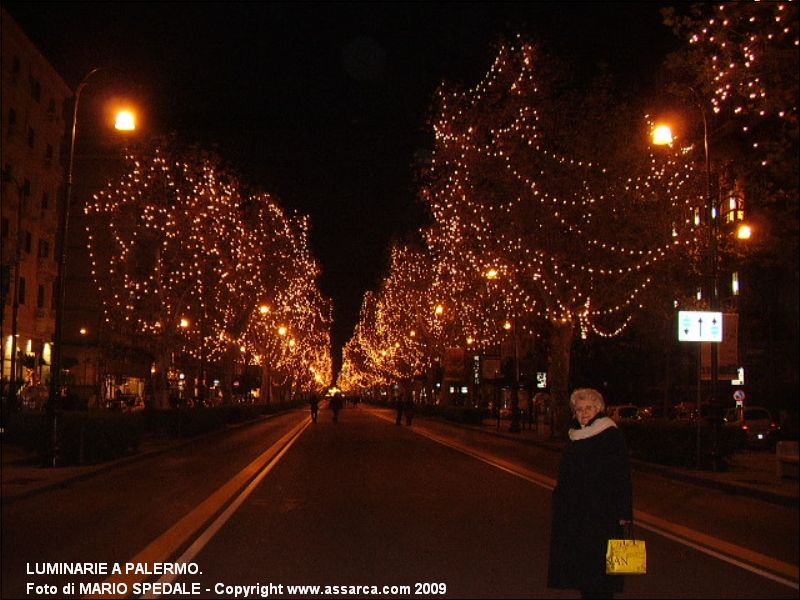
[(591, 502)]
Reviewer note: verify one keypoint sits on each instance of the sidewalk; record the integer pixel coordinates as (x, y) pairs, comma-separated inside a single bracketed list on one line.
[(751, 473), (23, 476)]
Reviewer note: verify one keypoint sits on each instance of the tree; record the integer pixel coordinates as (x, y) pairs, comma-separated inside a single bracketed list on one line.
[(514, 187), (740, 61), (184, 260)]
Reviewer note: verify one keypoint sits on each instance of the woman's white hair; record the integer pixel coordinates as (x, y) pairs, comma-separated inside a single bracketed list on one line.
[(587, 394)]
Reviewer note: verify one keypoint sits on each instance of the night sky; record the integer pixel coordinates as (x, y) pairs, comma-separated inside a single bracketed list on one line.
[(325, 105)]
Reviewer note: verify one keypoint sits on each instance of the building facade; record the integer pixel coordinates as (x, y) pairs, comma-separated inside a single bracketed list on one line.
[(35, 108)]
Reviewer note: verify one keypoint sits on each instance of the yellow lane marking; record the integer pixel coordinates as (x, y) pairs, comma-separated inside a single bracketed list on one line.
[(163, 547)]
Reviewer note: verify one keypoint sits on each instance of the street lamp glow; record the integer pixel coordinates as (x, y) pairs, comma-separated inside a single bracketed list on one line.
[(507, 325), (184, 324), (282, 330), (83, 331), (491, 274), (744, 232), (662, 135), (439, 310), (125, 121), (263, 309)]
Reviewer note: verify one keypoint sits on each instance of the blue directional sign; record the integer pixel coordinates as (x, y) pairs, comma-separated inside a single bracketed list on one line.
[(699, 326)]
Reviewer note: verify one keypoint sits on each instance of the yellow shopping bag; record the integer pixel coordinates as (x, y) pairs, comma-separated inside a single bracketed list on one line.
[(626, 557)]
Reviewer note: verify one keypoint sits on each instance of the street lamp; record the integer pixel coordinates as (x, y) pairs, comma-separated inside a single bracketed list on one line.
[(515, 412), (124, 124), (662, 135)]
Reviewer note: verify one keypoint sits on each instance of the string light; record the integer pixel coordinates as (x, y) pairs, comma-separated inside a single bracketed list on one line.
[(175, 242), (519, 231)]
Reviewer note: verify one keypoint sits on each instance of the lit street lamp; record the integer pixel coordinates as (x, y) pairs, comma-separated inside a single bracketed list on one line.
[(662, 135), (126, 123), (515, 411)]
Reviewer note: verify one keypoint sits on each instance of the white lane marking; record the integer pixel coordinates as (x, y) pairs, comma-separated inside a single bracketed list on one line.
[(212, 529), (643, 519)]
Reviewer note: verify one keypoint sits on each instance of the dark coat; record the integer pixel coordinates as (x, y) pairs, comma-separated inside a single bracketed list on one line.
[(593, 493)]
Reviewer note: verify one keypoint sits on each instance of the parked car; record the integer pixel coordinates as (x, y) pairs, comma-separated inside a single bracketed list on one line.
[(687, 411), (655, 412), (757, 422), (623, 412)]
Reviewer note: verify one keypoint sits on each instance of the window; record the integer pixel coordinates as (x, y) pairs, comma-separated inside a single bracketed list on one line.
[(27, 241), (21, 296), (40, 297), (44, 249)]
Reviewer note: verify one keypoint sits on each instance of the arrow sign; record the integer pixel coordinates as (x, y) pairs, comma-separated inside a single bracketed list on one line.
[(699, 326)]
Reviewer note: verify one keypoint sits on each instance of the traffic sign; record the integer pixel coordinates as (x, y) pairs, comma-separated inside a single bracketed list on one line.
[(739, 396), (699, 326)]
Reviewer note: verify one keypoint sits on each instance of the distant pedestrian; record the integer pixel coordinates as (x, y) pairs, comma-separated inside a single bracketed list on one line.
[(399, 406), (336, 406), (314, 403), (591, 502), (408, 410), (496, 412)]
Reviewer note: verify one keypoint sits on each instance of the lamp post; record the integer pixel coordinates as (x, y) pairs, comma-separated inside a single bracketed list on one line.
[(124, 123), (515, 412), (511, 326), (663, 135)]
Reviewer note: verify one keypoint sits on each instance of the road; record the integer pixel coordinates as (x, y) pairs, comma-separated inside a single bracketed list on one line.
[(427, 511)]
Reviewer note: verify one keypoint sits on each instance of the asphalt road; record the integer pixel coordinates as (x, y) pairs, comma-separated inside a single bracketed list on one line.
[(364, 502)]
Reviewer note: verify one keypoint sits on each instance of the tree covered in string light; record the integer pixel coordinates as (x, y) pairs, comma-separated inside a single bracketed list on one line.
[(747, 53), (395, 337), (183, 259), (740, 59), (360, 371), (515, 191)]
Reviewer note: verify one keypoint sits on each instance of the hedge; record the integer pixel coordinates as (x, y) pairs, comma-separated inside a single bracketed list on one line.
[(96, 436), (675, 442)]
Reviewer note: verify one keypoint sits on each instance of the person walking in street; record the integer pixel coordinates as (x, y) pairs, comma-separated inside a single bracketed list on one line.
[(592, 501), (314, 402), (408, 409), (399, 406), (495, 410), (336, 406)]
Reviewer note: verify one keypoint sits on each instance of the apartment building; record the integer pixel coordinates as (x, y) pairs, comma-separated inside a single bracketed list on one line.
[(35, 113)]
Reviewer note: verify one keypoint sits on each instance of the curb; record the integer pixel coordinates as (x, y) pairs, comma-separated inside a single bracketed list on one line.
[(94, 470), (738, 489)]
